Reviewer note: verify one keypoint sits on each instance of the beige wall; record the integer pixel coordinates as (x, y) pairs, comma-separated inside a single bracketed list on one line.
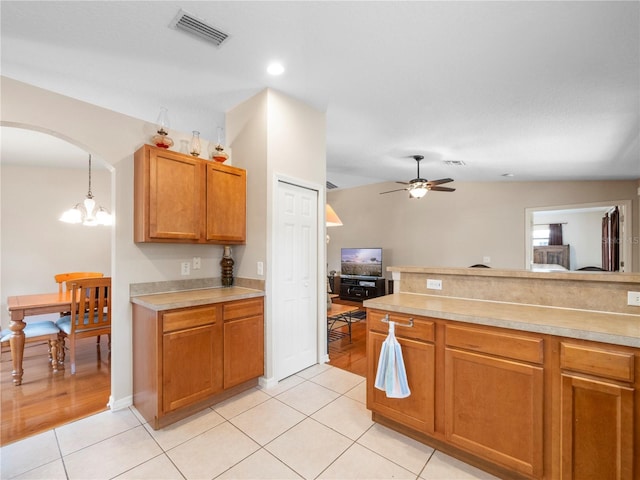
[(275, 136), (458, 229)]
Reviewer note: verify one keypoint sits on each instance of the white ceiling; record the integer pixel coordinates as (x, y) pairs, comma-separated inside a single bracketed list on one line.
[(543, 90)]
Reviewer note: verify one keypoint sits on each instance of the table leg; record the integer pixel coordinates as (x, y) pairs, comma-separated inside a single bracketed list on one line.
[(53, 355), (16, 342)]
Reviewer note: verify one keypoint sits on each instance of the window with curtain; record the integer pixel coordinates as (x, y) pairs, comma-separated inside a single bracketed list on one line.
[(540, 235)]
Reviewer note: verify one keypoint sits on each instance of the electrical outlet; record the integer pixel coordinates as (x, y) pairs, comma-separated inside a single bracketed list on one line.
[(196, 263), (260, 268), (186, 268), (486, 260), (633, 298), (434, 284)]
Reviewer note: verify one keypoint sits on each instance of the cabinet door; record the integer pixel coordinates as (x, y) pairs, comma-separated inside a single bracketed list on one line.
[(243, 350), (417, 410), (493, 407), (176, 196), (597, 429), (191, 365), (226, 204)]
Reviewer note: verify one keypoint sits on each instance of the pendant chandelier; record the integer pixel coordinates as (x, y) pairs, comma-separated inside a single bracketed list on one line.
[(86, 212)]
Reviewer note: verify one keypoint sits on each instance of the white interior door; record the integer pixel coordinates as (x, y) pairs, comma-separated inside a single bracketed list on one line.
[(296, 290)]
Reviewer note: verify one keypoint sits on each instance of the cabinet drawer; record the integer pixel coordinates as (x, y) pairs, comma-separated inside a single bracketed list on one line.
[(422, 329), (499, 344), (192, 317), (595, 361), (242, 308)]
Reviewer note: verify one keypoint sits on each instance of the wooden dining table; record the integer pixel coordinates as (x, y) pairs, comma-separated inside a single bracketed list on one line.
[(22, 306)]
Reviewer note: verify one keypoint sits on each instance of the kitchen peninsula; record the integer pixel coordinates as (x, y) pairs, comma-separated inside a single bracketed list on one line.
[(193, 346), (524, 374)]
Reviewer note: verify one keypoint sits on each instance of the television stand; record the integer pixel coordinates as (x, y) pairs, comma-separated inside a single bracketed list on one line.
[(361, 288)]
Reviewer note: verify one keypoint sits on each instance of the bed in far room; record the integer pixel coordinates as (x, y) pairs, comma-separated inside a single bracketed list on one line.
[(550, 258)]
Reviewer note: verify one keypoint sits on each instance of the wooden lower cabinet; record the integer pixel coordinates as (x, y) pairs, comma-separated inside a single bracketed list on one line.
[(417, 410), (516, 404), (494, 396), (196, 347), (243, 341), (493, 408), (597, 413), (187, 359)]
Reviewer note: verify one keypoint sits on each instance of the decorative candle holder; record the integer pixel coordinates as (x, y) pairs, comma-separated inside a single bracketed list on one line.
[(226, 265), (194, 146), (161, 139), (219, 155)]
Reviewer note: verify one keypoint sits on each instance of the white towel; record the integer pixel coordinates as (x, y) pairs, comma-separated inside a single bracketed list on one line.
[(391, 375)]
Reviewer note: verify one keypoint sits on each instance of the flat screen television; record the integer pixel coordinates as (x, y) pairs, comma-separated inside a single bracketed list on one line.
[(361, 262)]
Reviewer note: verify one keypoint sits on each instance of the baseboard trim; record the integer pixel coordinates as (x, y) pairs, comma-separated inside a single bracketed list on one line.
[(121, 403)]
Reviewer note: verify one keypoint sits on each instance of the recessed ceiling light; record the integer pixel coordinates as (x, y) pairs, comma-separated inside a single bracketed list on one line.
[(508, 175), (275, 69)]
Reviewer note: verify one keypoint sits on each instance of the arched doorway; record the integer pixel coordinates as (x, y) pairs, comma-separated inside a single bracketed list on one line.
[(41, 176)]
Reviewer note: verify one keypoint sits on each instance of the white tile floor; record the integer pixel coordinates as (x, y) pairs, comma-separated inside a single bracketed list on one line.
[(312, 425)]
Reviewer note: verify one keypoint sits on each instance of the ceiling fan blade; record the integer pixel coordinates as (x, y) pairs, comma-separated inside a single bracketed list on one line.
[(442, 189), (403, 183), (441, 181), (391, 191)]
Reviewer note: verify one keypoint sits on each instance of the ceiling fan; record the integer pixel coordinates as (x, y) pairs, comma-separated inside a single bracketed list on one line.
[(418, 187)]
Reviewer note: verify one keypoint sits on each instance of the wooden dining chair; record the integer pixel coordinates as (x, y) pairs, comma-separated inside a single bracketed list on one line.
[(63, 278), (64, 281), (90, 315), (44, 331)]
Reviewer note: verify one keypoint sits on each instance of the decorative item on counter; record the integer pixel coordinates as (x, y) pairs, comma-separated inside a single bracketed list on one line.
[(226, 265), (219, 155), (194, 146), (161, 139)]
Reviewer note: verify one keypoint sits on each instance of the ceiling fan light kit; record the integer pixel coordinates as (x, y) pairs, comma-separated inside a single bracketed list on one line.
[(418, 192), (418, 187)]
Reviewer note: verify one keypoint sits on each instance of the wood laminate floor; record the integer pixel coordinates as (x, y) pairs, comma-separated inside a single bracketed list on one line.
[(351, 356), (45, 399)]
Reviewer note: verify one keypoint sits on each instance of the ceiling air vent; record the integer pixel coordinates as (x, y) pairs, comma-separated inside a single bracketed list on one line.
[(187, 22), (455, 163), (331, 186)]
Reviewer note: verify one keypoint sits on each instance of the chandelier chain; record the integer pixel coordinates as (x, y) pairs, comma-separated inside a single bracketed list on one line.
[(89, 195)]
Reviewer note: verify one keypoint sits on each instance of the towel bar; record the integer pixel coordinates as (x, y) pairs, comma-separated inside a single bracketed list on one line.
[(407, 324)]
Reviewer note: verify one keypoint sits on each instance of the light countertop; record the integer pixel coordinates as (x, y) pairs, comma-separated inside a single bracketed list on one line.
[(192, 298), (613, 328)]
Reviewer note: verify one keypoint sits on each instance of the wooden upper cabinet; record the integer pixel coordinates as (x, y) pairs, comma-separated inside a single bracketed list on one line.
[(226, 204), (182, 199)]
